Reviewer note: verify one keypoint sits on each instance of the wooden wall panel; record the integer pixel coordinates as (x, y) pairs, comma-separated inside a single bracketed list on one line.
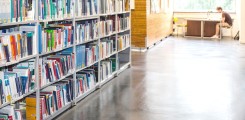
[(159, 25), (148, 28), (138, 19)]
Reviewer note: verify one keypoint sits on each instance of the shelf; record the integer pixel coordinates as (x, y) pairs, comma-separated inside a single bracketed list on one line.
[(103, 82), (123, 49), (123, 12), (69, 74), (109, 35), (20, 60), (86, 17), (54, 20), (86, 66), (124, 30), (23, 96), (124, 67), (4, 105), (108, 56), (50, 117), (19, 98), (108, 14), (17, 23), (92, 40), (85, 94), (54, 51)]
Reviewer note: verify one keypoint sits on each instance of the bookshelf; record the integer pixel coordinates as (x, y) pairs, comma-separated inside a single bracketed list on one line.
[(60, 53)]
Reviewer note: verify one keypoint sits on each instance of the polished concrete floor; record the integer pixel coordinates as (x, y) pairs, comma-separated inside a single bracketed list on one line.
[(179, 79)]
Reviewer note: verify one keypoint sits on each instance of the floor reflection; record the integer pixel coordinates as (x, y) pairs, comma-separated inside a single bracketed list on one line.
[(180, 79)]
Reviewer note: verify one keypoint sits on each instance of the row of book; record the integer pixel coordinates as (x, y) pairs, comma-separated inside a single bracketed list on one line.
[(56, 37), (87, 30), (52, 99), (55, 9), (107, 68), (87, 7), (11, 113), (56, 66), (85, 80), (123, 41), (25, 10), (112, 6), (17, 81), (17, 10), (123, 23), (18, 43), (106, 27), (87, 54), (107, 47), (108, 6)]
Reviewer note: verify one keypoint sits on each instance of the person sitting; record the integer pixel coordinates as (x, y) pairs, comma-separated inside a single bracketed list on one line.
[(225, 22)]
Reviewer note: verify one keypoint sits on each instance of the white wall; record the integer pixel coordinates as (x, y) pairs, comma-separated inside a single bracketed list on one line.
[(204, 15), (241, 18)]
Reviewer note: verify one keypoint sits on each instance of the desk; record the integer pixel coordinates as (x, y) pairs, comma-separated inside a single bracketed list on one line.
[(201, 28)]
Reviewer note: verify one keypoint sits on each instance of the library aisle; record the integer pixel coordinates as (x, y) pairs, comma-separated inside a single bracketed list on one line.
[(179, 79)]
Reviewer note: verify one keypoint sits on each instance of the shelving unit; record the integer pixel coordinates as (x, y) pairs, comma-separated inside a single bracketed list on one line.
[(73, 73)]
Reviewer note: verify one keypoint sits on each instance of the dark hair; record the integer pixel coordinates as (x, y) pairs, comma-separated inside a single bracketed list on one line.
[(219, 8)]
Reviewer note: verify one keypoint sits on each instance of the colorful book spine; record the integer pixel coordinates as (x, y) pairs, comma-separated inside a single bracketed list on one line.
[(17, 82), (107, 68), (86, 8), (108, 6), (52, 99), (56, 37), (18, 44), (123, 23), (55, 9), (85, 81), (107, 47), (107, 27), (55, 67), (87, 31), (123, 41)]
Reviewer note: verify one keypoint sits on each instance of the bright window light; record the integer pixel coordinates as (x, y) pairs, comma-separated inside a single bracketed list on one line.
[(204, 5)]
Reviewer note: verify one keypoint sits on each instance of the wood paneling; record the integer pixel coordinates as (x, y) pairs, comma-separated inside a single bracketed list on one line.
[(209, 28), (158, 27), (139, 24), (193, 28), (148, 28)]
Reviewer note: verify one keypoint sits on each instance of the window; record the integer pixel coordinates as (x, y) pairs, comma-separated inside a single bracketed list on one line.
[(204, 5)]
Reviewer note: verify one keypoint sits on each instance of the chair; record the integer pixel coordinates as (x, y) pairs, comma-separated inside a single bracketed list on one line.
[(183, 26), (230, 28)]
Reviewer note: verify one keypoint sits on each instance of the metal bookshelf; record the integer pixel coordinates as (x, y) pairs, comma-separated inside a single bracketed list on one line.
[(74, 19)]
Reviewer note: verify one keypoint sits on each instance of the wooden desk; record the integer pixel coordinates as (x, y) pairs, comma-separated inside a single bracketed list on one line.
[(201, 28)]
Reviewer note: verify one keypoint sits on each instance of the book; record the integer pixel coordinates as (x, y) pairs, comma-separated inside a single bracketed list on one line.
[(5, 11), (17, 10), (55, 67), (87, 31), (8, 111), (85, 81), (17, 44), (123, 41), (107, 68), (107, 26), (108, 6), (52, 99), (86, 8), (107, 47), (123, 23), (16, 81), (55, 9), (56, 37)]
